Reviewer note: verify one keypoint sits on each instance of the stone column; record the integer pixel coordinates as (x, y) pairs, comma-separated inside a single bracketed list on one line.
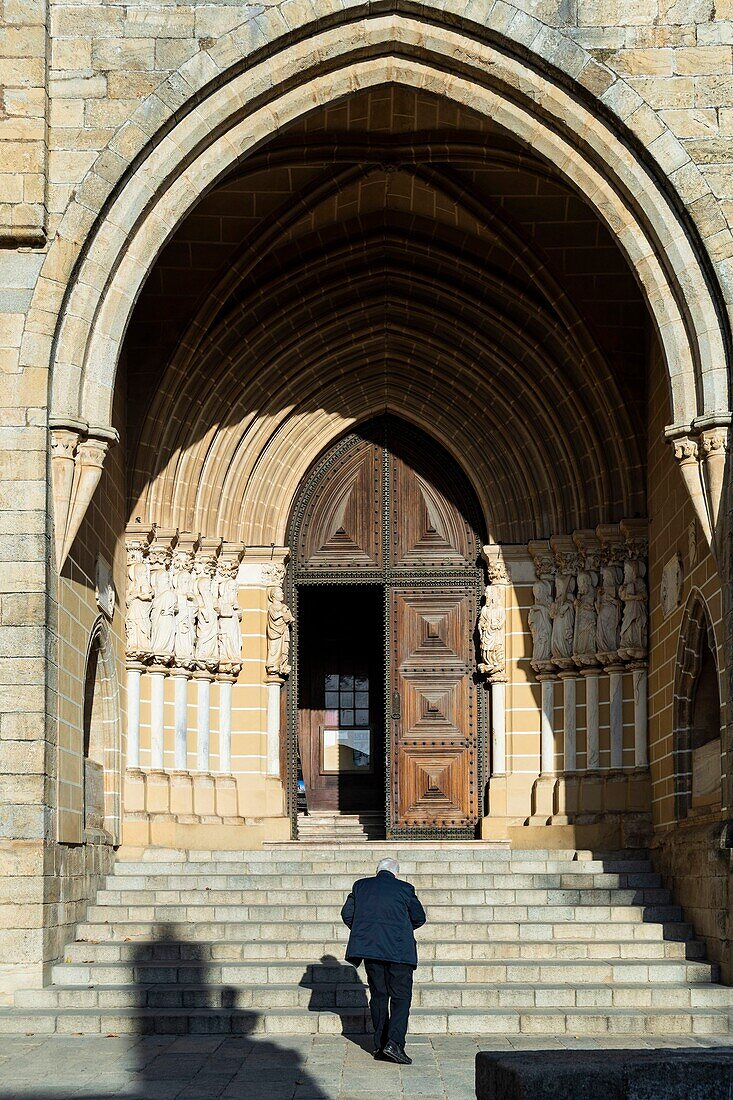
[(569, 722), (180, 681), (593, 752), (616, 689), (543, 792), (641, 755), (498, 727), (547, 733), (274, 687), (157, 717), (203, 718), (134, 673), (226, 685)]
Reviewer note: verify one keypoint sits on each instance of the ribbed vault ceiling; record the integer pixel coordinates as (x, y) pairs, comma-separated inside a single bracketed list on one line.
[(393, 253)]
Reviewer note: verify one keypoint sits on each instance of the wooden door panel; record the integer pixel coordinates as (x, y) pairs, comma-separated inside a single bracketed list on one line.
[(435, 787), (342, 526), (433, 630), (428, 529), (434, 739)]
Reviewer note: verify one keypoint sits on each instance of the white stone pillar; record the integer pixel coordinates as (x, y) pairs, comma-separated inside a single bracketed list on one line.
[(180, 682), (616, 679), (547, 736), (498, 727), (641, 758), (203, 719), (593, 751), (274, 687), (133, 717), (225, 725), (570, 726), (157, 718)]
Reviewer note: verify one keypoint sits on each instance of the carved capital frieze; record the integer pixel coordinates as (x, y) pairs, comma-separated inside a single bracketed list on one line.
[(497, 571)]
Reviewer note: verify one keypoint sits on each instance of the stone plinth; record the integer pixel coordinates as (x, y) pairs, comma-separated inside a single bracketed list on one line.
[(614, 1074)]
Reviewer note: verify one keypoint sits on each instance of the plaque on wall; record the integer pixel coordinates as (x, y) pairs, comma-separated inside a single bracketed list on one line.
[(345, 750), (672, 578)]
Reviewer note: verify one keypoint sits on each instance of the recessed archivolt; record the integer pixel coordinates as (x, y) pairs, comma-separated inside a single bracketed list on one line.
[(512, 362), (533, 416), (237, 115)]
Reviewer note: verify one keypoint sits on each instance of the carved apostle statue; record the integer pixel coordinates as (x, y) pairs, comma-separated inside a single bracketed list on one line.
[(230, 614), (634, 623), (186, 607), (279, 618), (207, 625), (491, 624), (540, 623), (586, 617), (563, 617), (608, 606), (163, 611), (139, 600)]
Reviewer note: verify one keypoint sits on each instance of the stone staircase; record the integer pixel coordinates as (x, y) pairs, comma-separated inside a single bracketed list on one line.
[(537, 942), (326, 826)]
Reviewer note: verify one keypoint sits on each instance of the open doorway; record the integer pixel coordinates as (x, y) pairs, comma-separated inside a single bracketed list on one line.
[(341, 696)]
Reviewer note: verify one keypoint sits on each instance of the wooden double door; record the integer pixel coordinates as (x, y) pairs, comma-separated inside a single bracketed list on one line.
[(386, 579)]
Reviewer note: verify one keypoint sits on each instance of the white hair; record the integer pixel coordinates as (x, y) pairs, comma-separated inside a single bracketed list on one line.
[(388, 865)]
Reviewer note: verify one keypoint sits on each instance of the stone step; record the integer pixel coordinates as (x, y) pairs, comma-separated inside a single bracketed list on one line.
[(505, 971), (311, 915), (317, 901), (322, 996), (217, 951), (423, 1021), (513, 924), (283, 883), (331, 863)]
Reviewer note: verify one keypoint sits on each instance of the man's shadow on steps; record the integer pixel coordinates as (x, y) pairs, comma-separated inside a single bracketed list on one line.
[(337, 988), (180, 991)]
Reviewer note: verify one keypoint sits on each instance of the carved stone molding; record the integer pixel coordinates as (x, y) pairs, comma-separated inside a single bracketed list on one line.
[(77, 459)]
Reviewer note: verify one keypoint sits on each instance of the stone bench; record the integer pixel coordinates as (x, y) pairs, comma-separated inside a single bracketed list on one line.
[(664, 1074)]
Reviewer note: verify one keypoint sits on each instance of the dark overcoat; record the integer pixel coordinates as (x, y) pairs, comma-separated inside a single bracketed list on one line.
[(382, 913)]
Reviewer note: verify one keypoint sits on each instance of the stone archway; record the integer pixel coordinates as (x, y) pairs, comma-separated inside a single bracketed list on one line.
[(172, 172)]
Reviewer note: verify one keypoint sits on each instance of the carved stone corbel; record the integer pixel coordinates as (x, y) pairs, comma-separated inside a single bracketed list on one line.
[(77, 459), (713, 453), (687, 453), (64, 442)]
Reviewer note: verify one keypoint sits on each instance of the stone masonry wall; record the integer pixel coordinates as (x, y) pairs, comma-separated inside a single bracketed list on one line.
[(688, 852)]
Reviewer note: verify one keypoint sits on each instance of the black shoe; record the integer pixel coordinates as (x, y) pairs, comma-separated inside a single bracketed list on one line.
[(393, 1054)]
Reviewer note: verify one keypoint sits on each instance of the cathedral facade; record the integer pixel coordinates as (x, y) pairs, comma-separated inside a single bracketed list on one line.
[(365, 427)]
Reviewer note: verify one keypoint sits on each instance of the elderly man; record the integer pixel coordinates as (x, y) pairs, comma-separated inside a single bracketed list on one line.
[(382, 913)]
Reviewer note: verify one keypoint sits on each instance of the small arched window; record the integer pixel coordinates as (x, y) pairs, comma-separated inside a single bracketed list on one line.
[(697, 714)]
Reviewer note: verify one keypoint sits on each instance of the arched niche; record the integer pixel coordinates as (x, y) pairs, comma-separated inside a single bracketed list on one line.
[(101, 745), (697, 725)]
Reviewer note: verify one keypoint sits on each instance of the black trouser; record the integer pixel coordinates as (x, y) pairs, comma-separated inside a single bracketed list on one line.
[(390, 997)]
